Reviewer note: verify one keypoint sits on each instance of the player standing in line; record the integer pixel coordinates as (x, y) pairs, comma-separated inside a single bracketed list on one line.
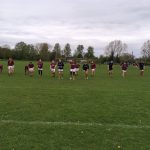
[(40, 67), (110, 68), (52, 68), (72, 70), (60, 66), (1, 68), (86, 70), (26, 70), (31, 69), (77, 68), (93, 68), (141, 67), (10, 66), (124, 67)]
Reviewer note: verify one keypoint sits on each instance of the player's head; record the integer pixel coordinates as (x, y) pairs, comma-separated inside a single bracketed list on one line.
[(10, 58)]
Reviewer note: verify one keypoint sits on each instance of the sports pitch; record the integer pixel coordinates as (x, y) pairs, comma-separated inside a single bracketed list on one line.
[(101, 113)]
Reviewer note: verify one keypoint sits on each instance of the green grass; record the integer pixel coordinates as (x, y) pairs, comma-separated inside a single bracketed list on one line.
[(109, 101)]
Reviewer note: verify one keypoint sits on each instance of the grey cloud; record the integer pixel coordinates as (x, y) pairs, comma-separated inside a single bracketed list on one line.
[(94, 22)]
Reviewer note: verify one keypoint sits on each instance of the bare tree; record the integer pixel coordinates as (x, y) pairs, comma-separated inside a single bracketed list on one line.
[(115, 48), (57, 50), (67, 50), (43, 50), (39, 46), (146, 49)]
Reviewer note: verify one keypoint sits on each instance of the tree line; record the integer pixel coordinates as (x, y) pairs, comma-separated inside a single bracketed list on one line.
[(24, 51), (115, 50)]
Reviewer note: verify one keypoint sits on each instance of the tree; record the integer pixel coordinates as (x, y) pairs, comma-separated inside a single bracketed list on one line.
[(57, 51), (32, 52), (146, 49), (67, 50), (5, 52), (115, 48), (103, 59), (44, 54), (22, 50), (127, 57), (79, 51), (43, 50), (90, 53)]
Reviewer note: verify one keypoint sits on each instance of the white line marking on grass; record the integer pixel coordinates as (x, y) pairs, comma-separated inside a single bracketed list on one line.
[(49, 123)]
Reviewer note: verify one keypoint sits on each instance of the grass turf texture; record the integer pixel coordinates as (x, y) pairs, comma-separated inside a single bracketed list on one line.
[(109, 101)]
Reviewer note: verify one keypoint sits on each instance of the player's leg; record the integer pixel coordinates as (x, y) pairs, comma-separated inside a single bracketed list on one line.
[(142, 72), (123, 73), (59, 74), (9, 70), (39, 72), (86, 74), (71, 74)]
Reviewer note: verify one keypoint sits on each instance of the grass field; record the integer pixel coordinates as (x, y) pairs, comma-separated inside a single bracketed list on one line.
[(101, 113)]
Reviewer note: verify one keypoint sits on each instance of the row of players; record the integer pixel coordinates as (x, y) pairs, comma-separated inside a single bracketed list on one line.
[(74, 68)]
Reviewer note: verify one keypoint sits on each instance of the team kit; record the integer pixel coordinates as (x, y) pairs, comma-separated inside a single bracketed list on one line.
[(74, 68)]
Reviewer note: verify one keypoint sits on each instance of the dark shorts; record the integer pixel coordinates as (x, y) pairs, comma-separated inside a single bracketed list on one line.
[(141, 69)]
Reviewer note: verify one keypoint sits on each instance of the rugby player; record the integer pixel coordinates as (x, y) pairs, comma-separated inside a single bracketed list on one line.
[(110, 68), (52, 68), (40, 67), (11, 66), (72, 70), (60, 66), (124, 67), (1, 68), (31, 69), (141, 68), (86, 70), (93, 68), (26, 70), (77, 68)]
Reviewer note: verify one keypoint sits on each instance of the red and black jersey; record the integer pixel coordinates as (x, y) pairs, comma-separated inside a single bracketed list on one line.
[(124, 66), (93, 66), (52, 65), (72, 65), (10, 62), (31, 65), (40, 64)]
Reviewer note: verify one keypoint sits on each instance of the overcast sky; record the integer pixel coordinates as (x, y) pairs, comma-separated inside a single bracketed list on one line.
[(88, 22)]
